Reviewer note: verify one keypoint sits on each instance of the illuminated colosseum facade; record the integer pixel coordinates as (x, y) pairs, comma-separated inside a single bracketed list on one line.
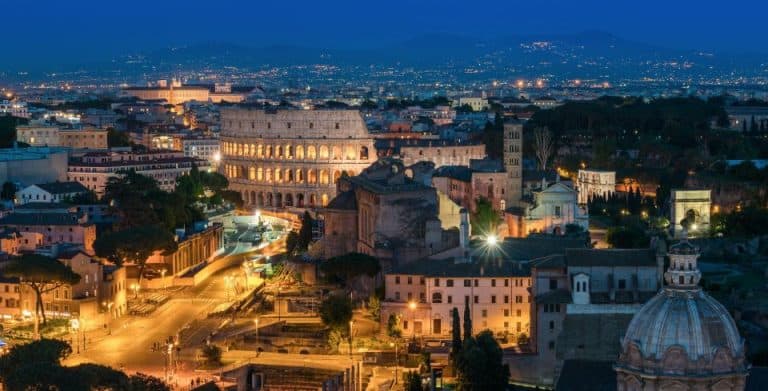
[(291, 158)]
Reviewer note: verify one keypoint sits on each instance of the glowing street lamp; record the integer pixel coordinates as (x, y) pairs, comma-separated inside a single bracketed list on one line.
[(412, 307), (351, 323), (391, 344), (492, 240), (135, 288)]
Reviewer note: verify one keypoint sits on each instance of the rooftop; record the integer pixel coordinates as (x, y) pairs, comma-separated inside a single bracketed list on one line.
[(63, 187), (40, 219), (590, 257), (450, 268)]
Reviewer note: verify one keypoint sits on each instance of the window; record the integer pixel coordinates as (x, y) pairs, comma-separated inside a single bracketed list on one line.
[(477, 299), (437, 297), (397, 296), (622, 284), (397, 280), (493, 282), (551, 345), (476, 282), (551, 324), (493, 299), (506, 282), (467, 283), (552, 284), (449, 283), (506, 313), (410, 280), (422, 281), (557, 211), (506, 299), (518, 299), (519, 313), (423, 297), (484, 313), (410, 296), (450, 299), (437, 282)]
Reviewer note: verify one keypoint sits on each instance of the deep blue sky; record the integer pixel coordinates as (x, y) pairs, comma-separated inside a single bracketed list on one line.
[(83, 30)]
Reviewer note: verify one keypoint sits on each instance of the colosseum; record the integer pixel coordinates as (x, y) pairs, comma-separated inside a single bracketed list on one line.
[(292, 158)]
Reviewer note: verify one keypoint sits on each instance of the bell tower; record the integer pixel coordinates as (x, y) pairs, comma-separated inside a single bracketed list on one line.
[(513, 162)]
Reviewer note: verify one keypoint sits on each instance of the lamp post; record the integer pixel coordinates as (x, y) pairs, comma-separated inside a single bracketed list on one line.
[(397, 362), (109, 305), (258, 343), (162, 275), (351, 323), (135, 288)]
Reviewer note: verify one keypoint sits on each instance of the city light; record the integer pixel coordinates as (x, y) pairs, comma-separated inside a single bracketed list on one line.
[(491, 240), (412, 305)]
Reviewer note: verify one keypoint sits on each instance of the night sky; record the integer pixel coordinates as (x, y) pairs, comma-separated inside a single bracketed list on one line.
[(83, 30)]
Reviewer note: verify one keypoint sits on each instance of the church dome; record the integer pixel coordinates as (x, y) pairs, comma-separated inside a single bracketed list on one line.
[(682, 332)]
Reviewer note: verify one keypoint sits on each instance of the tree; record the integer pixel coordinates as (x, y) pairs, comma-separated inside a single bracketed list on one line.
[(134, 245), (393, 326), (467, 322), (542, 144), (305, 232), (480, 364), (522, 339), (348, 266), (413, 381), (455, 335), (336, 312), (374, 306), (43, 351), (485, 220), (212, 354), (116, 138), (142, 382), (42, 274), (291, 242), (8, 192), (627, 237), (493, 138), (7, 131)]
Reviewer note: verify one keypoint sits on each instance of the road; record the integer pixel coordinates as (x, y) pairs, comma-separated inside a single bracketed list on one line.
[(130, 344)]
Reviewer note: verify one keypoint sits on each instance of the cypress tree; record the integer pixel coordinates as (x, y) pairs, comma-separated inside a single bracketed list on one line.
[(456, 335), (467, 322)]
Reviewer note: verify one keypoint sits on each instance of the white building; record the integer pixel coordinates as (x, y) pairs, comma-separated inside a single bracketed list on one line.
[(14, 108), (477, 104), (592, 183), (202, 148), (50, 192), (38, 135), (554, 207)]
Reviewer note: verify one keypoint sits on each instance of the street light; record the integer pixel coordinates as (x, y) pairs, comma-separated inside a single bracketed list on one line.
[(135, 288), (492, 240), (256, 322), (162, 274), (351, 323), (109, 317), (397, 362)]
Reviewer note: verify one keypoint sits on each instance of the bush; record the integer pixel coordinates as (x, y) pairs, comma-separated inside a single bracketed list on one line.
[(212, 354)]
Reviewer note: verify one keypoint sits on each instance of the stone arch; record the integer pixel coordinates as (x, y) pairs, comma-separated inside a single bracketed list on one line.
[(268, 175), (324, 177), (268, 151), (490, 192), (349, 152), (279, 151), (259, 174), (289, 175), (278, 175), (252, 173), (270, 199), (260, 199), (556, 230), (279, 200), (253, 198), (300, 200), (336, 152), (299, 152), (312, 200), (312, 176), (324, 200), (289, 151), (260, 150), (336, 176), (311, 152), (288, 199), (633, 383), (253, 150), (323, 153), (363, 152), (299, 177), (242, 173)]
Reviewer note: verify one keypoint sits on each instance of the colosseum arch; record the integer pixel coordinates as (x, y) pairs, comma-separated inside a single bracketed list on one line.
[(289, 175), (270, 200), (252, 173), (279, 200), (323, 152), (259, 174), (299, 176), (336, 152), (336, 176), (312, 199), (278, 151), (299, 152), (253, 198), (242, 172), (268, 175), (363, 153), (260, 150), (278, 175), (300, 200), (311, 152), (324, 199), (312, 176), (288, 199), (349, 152), (324, 177), (260, 199), (268, 151), (253, 150), (289, 151)]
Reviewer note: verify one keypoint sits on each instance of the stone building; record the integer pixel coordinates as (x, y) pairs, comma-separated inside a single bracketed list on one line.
[(592, 183), (439, 152), (175, 93), (553, 207), (690, 212), (682, 339), (292, 158), (484, 179), (513, 161)]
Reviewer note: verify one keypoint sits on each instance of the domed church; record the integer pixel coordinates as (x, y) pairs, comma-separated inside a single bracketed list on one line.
[(682, 339)]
